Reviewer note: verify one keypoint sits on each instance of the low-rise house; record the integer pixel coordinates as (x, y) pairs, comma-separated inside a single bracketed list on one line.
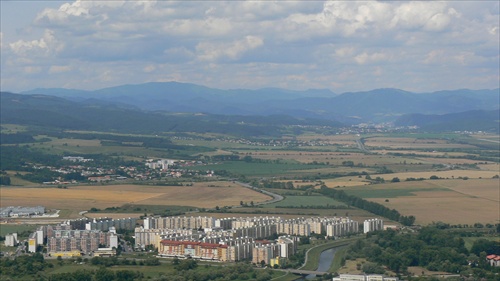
[(493, 260)]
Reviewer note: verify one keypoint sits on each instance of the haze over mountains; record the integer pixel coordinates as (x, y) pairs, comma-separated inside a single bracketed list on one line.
[(375, 106)]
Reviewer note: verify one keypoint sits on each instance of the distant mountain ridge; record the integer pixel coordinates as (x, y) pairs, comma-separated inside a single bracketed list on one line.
[(474, 120), (380, 105), (56, 112)]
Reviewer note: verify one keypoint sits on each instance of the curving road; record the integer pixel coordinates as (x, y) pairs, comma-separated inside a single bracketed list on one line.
[(276, 197)]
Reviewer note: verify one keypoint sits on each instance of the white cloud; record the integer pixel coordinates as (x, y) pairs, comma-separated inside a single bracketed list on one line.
[(32, 69), (149, 68), (365, 58), (300, 44), (233, 50), (59, 68), (344, 52)]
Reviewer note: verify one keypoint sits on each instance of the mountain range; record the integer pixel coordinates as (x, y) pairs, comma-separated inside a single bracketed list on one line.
[(173, 106), (380, 105)]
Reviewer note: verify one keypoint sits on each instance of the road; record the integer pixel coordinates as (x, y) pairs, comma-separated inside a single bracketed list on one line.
[(361, 146), (495, 141), (276, 197)]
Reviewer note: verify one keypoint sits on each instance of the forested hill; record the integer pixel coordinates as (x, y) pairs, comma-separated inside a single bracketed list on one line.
[(379, 105), (50, 111), (474, 120)]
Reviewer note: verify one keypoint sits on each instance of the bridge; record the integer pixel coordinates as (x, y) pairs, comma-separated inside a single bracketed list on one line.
[(303, 272)]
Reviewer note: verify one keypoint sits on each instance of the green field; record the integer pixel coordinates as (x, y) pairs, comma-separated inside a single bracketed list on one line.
[(469, 241), (353, 213), (12, 128), (259, 169), (365, 192), (303, 201), (165, 210), (18, 228), (150, 272)]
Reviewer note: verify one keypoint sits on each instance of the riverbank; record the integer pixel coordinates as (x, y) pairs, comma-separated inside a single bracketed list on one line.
[(313, 254)]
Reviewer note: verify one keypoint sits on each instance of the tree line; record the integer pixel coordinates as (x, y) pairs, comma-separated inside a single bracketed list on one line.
[(372, 207), (431, 248)]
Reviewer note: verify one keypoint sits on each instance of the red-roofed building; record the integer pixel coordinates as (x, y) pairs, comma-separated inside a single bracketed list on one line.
[(494, 260), (197, 250)]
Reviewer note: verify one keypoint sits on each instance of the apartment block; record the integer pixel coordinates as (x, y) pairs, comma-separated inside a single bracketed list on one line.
[(373, 225)]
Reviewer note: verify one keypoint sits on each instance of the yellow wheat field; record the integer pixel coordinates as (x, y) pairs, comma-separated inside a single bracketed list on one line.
[(80, 198), (451, 174), (412, 143), (455, 202)]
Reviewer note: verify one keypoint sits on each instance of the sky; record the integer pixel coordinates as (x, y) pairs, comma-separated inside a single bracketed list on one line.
[(338, 45)]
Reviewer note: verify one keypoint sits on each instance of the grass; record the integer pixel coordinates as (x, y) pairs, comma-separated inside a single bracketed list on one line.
[(337, 259), (315, 252), (303, 201), (18, 228), (469, 241), (150, 272), (257, 168), (150, 209), (387, 193), (12, 128), (286, 277), (355, 214)]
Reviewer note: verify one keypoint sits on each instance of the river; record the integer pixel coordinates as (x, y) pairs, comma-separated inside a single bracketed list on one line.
[(325, 260)]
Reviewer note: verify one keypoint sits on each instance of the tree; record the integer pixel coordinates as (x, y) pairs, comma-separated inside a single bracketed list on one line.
[(103, 274), (395, 179), (487, 246), (187, 264), (372, 268), (4, 180)]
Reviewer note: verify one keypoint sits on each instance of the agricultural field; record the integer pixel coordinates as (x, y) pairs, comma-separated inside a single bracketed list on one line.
[(453, 201), (82, 146), (341, 140), (412, 143), (346, 182), (289, 213), (332, 160), (12, 128), (255, 169), (312, 200), (82, 198), (449, 174), (16, 228)]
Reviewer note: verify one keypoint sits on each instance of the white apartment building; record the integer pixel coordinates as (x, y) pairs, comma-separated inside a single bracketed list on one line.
[(11, 240), (355, 277), (372, 225)]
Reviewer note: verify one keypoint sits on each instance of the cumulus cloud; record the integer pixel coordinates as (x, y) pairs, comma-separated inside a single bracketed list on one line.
[(233, 50), (42, 45), (364, 58), (290, 44), (59, 68)]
